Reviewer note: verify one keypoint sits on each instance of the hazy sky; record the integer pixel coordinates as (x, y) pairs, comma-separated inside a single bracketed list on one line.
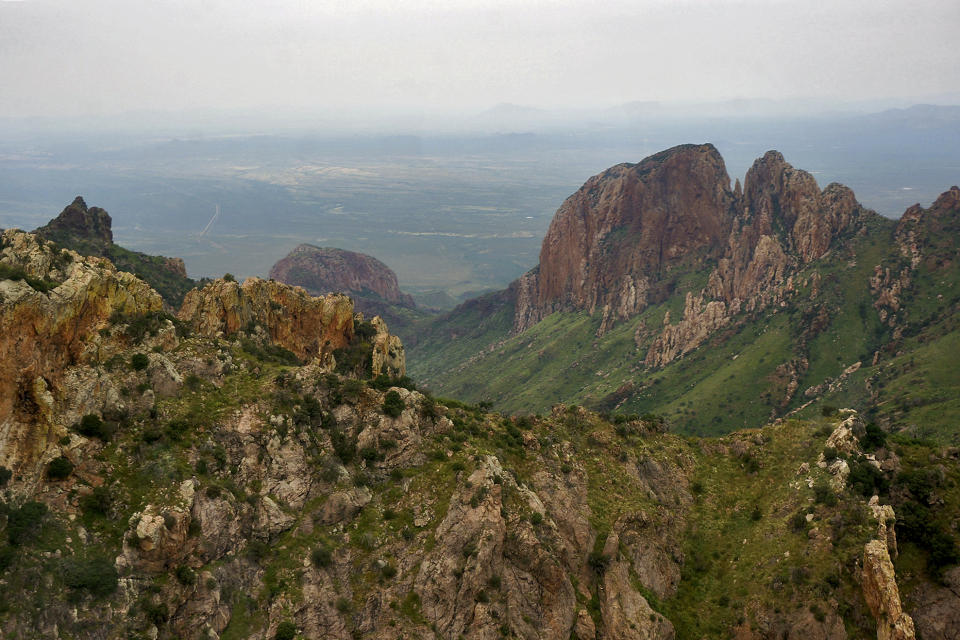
[(72, 57)]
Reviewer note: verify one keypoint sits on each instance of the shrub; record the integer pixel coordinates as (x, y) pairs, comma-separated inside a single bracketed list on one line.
[(286, 630), (59, 468), (393, 404), (5, 475), (756, 514), (95, 575), (24, 522), (536, 518), (828, 411), (798, 522), (344, 446), (98, 502), (874, 438), (139, 361), (321, 557), (92, 426), (866, 479), (823, 494), (185, 575), (598, 561), (388, 571), (342, 605)]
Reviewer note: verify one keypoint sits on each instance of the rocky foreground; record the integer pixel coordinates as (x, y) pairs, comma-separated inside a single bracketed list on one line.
[(258, 466)]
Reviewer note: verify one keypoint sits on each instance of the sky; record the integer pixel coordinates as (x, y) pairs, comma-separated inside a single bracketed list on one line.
[(68, 58)]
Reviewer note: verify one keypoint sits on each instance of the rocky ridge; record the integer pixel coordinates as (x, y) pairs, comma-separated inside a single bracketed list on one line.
[(620, 242), (194, 485), (89, 232)]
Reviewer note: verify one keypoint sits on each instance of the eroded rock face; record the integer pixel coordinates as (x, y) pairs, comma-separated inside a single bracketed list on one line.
[(882, 595), (613, 244), (626, 227), (309, 327), (325, 270), (44, 333)]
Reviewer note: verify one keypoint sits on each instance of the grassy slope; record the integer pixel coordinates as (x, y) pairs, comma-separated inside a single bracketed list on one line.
[(731, 381)]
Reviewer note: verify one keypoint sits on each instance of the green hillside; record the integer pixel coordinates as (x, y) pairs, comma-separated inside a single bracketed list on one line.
[(740, 376)]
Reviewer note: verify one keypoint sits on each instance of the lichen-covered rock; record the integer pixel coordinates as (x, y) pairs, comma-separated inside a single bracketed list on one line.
[(43, 333), (882, 595), (309, 327), (388, 354)]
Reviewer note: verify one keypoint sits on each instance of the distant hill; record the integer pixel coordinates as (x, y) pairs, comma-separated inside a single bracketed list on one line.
[(371, 283), (662, 289), (88, 231)]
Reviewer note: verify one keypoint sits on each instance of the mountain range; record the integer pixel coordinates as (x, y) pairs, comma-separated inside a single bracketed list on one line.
[(662, 288), (710, 411)]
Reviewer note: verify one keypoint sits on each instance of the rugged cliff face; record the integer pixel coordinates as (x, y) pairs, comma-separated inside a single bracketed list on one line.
[(617, 238), (325, 270), (50, 320), (309, 327), (624, 238)]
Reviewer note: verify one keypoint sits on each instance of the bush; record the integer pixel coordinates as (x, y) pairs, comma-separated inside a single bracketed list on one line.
[(59, 468), (874, 438), (97, 503), (866, 479), (828, 411), (139, 361), (598, 561), (393, 404), (321, 557), (344, 446), (823, 494), (95, 575), (92, 426), (185, 575), (286, 630), (5, 475), (24, 522)]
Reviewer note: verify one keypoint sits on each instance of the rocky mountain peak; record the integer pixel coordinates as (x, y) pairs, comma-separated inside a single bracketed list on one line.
[(323, 270), (620, 241), (78, 223), (622, 232)]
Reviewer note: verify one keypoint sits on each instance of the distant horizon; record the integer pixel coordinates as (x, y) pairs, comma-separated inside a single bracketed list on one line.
[(101, 58), (437, 120)]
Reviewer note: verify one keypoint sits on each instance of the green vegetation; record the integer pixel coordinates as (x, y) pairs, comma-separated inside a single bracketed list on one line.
[(8, 272), (59, 468)]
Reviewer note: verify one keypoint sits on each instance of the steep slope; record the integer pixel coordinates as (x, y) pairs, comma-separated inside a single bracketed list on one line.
[(806, 299), (88, 231)]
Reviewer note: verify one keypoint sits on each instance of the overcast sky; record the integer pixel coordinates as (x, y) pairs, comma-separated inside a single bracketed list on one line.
[(73, 57)]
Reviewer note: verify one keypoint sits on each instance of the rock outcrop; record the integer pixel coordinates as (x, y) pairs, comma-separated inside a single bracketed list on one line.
[(80, 225), (618, 244), (43, 333), (622, 232), (309, 327), (328, 270), (882, 595), (88, 231)]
